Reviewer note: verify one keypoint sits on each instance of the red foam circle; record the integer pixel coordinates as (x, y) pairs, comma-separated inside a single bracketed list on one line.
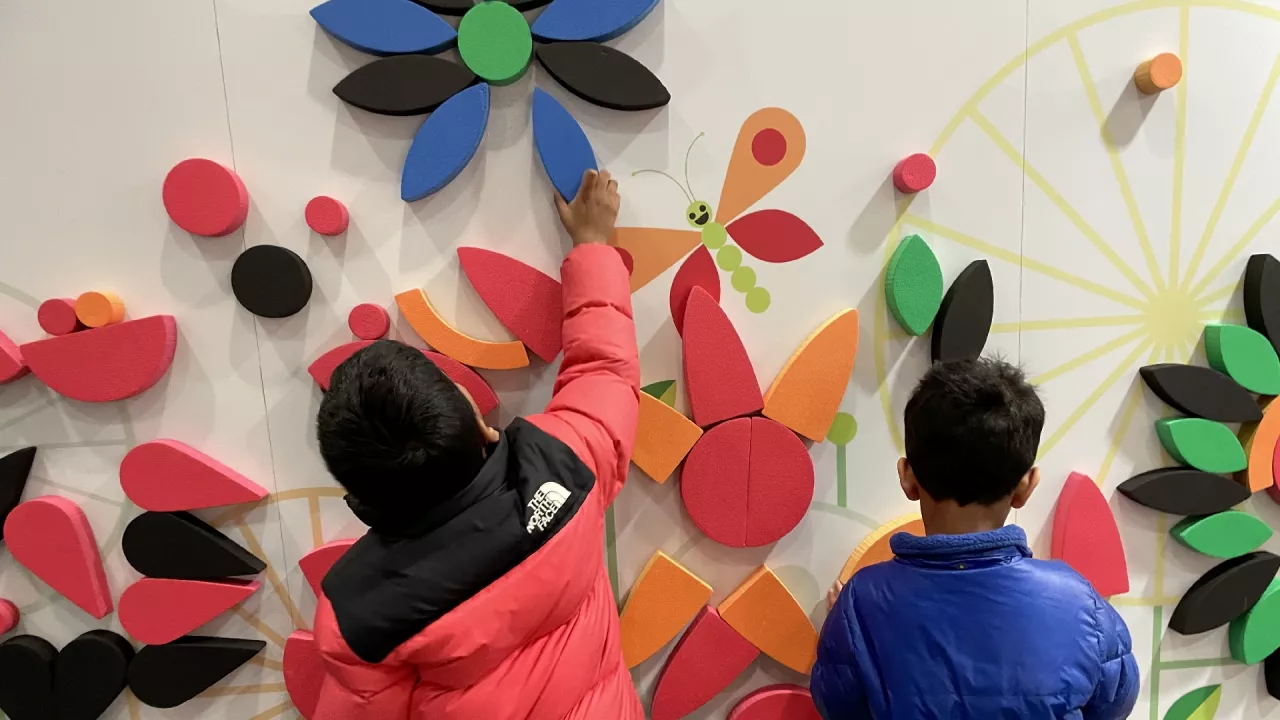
[(915, 173), (327, 216), (205, 198), (768, 147), (9, 616), (369, 321), (57, 316)]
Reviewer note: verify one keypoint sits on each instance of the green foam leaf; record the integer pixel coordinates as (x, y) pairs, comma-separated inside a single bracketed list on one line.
[(843, 429), (1256, 634), (1199, 704), (1244, 354), (913, 284), (1225, 535), (664, 390), (1203, 444)]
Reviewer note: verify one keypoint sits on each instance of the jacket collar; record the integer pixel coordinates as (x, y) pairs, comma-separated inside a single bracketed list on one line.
[(994, 547)]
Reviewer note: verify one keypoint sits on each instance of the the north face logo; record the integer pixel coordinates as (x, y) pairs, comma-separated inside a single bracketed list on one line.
[(544, 506)]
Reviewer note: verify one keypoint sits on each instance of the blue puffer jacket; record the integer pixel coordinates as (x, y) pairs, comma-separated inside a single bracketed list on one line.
[(969, 626)]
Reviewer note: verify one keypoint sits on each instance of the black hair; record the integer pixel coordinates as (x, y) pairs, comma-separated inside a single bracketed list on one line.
[(972, 430), (396, 432)]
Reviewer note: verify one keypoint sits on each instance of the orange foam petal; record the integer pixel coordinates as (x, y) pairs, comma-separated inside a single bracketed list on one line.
[(663, 438), (764, 612), (664, 599), (445, 338), (807, 392)]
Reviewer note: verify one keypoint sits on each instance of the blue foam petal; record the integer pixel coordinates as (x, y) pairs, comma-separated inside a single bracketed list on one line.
[(385, 27), (562, 146), (596, 20), (445, 143)]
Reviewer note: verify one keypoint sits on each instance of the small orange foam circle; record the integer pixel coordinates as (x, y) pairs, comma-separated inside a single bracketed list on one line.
[(98, 308)]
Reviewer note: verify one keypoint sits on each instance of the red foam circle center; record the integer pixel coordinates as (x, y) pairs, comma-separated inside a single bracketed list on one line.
[(768, 147), (327, 216), (205, 198), (915, 173)]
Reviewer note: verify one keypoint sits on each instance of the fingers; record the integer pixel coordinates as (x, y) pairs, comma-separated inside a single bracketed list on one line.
[(562, 208), (590, 178)]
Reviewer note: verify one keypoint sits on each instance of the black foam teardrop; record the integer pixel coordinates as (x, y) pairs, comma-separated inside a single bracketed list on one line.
[(1184, 491), (14, 469), (604, 76), (26, 677), (1224, 593), (181, 546), (90, 673), (963, 321), (271, 281), (403, 84), (1262, 297), (1201, 392), (165, 676)]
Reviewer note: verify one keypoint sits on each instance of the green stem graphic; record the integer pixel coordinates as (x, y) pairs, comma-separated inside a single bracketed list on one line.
[(842, 497), (1196, 664)]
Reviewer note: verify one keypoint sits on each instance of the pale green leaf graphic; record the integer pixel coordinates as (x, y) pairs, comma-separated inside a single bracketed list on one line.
[(1199, 704), (664, 390)]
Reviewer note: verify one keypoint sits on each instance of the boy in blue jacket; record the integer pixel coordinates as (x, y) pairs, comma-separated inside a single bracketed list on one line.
[(963, 623)]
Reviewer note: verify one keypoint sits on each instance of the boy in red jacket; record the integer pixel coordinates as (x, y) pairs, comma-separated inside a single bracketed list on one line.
[(480, 591)]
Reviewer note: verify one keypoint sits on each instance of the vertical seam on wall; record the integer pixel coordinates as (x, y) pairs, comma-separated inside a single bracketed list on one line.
[(257, 341), (1022, 219)]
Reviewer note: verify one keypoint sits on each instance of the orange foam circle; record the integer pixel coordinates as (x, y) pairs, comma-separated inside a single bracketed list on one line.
[(1165, 70), (98, 308)]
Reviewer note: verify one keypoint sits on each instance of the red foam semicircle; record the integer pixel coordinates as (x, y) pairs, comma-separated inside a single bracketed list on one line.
[(486, 399), (113, 362)]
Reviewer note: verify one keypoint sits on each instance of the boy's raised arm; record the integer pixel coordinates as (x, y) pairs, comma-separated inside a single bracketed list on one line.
[(595, 401)]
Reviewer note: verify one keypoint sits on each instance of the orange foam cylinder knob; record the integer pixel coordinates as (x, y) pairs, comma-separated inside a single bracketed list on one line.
[(1159, 73), (98, 308), (664, 599)]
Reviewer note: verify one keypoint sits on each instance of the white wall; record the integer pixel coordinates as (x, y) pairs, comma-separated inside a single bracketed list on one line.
[(100, 99)]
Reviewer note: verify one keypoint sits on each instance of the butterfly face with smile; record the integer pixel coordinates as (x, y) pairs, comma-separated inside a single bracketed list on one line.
[(698, 213)]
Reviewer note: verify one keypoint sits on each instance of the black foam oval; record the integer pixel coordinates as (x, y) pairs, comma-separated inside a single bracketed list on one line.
[(1262, 297), (1201, 392), (963, 321), (1224, 593), (271, 281), (183, 547), (604, 76), (1184, 491), (90, 673), (165, 676), (403, 84), (26, 677), (14, 469), (447, 7)]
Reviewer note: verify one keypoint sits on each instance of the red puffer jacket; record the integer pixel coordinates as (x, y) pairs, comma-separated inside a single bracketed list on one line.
[(437, 640)]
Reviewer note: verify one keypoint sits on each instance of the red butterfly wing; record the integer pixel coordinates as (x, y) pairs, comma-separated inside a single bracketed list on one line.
[(698, 270), (774, 236)]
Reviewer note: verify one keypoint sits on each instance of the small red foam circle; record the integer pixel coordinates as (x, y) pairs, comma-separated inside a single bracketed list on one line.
[(327, 216), (768, 147), (57, 316), (369, 321), (915, 173), (205, 198), (9, 616)]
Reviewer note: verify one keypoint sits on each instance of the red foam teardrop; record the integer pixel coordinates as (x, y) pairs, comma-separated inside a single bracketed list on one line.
[(327, 216), (527, 301), (166, 475), (107, 363), (57, 316), (707, 658), (160, 610), (698, 270), (52, 538), (715, 482), (368, 321), (205, 198), (719, 378), (315, 564), (776, 702), (1085, 536), (781, 482), (12, 366), (486, 399), (303, 672)]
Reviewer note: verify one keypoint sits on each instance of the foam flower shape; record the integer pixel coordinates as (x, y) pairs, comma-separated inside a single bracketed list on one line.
[(496, 45)]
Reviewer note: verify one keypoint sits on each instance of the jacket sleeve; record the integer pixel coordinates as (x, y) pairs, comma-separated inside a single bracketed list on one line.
[(353, 689), (836, 682), (1117, 690), (595, 402)]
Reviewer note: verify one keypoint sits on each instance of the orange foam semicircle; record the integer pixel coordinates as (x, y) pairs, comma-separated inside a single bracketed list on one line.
[(1260, 447), (874, 548), (806, 394), (445, 338)]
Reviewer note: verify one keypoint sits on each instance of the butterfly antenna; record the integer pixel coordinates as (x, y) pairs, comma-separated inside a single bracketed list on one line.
[(686, 165), (665, 175)]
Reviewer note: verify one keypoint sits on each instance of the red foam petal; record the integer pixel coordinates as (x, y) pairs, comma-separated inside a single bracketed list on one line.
[(315, 564), (304, 672), (1085, 536), (160, 610), (12, 366), (776, 702), (698, 270), (774, 236), (708, 657), (113, 362), (166, 476), (719, 378), (52, 538), (527, 301)]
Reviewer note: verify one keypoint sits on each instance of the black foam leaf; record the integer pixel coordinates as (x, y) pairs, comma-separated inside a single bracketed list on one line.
[(403, 84), (1224, 593), (604, 76), (1201, 392), (963, 322), (1262, 297), (1184, 491), (90, 673), (26, 677)]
